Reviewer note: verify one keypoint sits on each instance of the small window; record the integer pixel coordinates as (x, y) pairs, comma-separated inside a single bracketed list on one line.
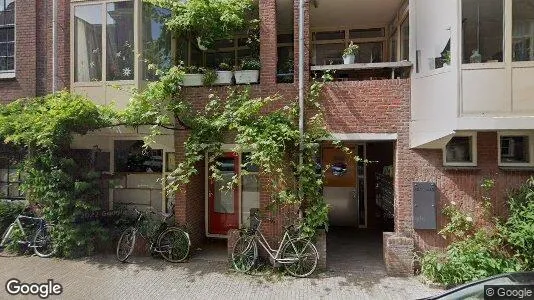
[(10, 177), (131, 156), (366, 33), (514, 149), (329, 35), (460, 151), (7, 36)]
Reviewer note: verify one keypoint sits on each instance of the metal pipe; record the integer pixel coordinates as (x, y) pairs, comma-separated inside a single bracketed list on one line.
[(54, 44), (301, 92)]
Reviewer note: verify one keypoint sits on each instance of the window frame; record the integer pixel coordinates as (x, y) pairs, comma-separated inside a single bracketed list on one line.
[(4, 74), (474, 162), (137, 47), (530, 144)]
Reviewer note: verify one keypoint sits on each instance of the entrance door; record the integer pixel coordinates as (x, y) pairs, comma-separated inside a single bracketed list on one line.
[(340, 188), (223, 203)]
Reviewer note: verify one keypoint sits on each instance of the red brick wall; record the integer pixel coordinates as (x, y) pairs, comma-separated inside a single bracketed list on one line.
[(33, 56)]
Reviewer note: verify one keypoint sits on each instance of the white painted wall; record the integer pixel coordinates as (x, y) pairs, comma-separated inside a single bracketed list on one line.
[(434, 99)]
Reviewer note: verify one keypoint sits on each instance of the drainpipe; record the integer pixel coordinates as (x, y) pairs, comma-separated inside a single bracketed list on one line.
[(301, 91), (54, 44)]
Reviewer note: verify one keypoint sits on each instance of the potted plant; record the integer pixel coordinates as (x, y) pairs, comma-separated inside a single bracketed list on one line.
[(249, 71), (349, 54), (193, 76), (209, 77), (224, 74)]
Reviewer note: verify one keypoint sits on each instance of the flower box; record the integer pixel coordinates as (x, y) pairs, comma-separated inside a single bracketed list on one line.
[(192, 80), (224, 77), (247, 76)]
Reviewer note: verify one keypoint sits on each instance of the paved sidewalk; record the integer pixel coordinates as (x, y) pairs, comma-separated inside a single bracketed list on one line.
[(200, 278)]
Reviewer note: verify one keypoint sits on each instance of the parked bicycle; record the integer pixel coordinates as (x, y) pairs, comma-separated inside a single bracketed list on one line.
[(298, 255), (170, 241), (41, 241)]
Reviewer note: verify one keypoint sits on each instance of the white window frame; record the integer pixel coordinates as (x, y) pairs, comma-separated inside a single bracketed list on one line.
[(6, 74), (474, 162), (530, 136)]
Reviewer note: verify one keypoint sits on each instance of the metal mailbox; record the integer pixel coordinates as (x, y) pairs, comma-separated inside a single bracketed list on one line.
[(425, 198)]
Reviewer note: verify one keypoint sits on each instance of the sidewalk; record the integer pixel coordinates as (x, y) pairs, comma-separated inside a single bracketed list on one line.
[(147, 278)]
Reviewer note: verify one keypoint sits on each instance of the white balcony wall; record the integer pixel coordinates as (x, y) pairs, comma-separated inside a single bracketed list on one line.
[(435, 91)]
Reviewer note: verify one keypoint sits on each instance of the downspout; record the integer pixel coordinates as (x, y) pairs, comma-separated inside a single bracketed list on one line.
[(54, 44), (301, 93)]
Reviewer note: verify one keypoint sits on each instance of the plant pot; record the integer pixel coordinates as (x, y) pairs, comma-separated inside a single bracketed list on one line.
[(349, 59), (247, 76), (192, 80), (224, 77)]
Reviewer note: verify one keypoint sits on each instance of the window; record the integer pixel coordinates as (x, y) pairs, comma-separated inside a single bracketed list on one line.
[(10, 177), (405, 39), (460, 151), (156, 41), (393, 41), (250, 188), (285, 65), (88, 43), (7, 36), (515, 149), (483, 31), (328, 46), (120, 52), (523, 30), (132, 156)]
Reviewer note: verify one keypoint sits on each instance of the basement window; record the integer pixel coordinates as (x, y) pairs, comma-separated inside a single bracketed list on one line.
[(460, 151), (515, 150)]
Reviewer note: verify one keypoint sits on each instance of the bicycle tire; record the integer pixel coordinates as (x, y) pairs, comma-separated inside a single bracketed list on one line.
[(306, 256), (174, 244), (5, 238), (126, 244), (43, 245), (244, 253)]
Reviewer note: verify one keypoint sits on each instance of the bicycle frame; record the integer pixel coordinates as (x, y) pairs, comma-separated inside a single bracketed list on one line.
[(18, 224), (274, 253)]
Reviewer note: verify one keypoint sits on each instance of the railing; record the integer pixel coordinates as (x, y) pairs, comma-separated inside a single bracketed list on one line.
[(366, 71)]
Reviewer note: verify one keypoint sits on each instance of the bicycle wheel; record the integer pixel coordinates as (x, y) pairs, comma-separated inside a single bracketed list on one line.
[(305, 255), (244, 253), (43, 245), (6, 237), (126, 244), (174, 244)]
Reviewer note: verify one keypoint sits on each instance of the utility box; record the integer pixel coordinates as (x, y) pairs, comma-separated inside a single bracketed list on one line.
[(425, 199)]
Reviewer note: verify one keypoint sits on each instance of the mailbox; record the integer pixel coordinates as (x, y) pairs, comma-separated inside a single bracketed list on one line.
[(425, 198)]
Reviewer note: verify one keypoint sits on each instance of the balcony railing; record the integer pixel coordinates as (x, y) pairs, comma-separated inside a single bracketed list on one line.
[(367, 71)]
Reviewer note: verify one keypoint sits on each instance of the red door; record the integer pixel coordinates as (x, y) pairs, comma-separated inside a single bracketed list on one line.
[(223, 204)]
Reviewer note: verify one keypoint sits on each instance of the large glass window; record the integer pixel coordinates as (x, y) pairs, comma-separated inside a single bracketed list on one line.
[(483, 31), (523, 30), (88, 43), (132, 156), (156, 40), (120, 52), (393, 42), (369, 53), (7, 35)]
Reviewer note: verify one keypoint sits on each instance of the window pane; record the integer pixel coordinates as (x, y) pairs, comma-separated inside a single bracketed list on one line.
[(459, 149), (393, 47), (131, 156), (88, 43), (329, 35), (156, 41), (405, 39), (327, 54), (369, 53), (366, 33), (213, 60), (515, 149), (523, 30), (482, 31), (120, 52), (286, 38)]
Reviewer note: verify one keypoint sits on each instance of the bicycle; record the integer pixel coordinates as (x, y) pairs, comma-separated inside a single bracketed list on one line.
[(298, 255), (42, 240), (171, 242)]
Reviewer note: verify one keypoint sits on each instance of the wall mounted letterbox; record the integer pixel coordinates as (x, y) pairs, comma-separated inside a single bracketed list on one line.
[(425, 198)]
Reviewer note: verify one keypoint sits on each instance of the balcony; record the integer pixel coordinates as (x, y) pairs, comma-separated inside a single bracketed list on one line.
[(379, 28)]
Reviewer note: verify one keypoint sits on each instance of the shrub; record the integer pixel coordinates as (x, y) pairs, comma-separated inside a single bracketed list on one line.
[(518, 230), (480, 256), (9, 210)]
